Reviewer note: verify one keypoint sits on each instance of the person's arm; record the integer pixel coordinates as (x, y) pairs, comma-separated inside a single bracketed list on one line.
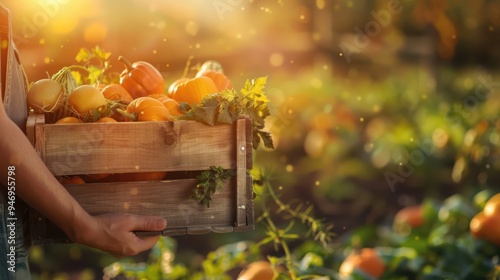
[(35, 185)]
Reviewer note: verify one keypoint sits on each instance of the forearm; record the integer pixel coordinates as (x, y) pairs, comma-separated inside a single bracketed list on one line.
[(35, 184)]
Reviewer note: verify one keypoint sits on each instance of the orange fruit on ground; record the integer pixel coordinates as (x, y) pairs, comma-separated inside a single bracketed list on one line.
[(259, 270), (367, 261), (492, 206), (412, 216), (486, 227)]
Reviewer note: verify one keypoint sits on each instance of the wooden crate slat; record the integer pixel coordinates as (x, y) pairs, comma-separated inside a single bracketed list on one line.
[(30, 130), (169, 199), (241, 170), (137, 147), (39, 142)]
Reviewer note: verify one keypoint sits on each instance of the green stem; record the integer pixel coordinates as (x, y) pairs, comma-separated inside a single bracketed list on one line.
[(126, 62), (130, 116), (61, 72), (288, 259), (272, 226)]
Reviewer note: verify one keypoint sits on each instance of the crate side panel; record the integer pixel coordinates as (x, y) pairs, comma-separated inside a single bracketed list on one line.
[(169, 199), (138, 147)]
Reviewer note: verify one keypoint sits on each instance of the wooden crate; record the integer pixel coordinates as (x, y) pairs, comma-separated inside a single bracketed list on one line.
[(182, 148)]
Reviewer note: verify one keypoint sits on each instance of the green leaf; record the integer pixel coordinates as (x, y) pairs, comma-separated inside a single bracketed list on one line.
[(83, 55), (227, 106), (228, 94), (208, 182), (100, 53), (266, 138), (290, 236), (254, 90), (78, 77), (255, 139), (256, 117), (95, 74), (226, 115), (206, 115), (184, 106)]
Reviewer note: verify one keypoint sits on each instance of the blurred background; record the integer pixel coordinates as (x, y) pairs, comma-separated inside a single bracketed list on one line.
[(376, 104)]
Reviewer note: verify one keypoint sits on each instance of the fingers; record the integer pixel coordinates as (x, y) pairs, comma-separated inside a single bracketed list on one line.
[(144, 244), (150, 223), (117, 233), (132, 246)]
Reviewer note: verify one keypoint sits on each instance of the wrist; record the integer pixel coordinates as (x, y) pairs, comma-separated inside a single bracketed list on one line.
[(82, 228)]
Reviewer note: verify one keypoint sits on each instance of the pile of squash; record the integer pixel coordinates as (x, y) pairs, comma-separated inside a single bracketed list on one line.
[(140, 95)]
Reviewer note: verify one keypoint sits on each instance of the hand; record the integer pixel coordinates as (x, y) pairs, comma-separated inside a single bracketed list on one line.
[(114, 233)]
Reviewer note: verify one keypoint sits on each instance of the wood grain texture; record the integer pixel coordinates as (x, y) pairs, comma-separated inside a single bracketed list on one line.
[(30, 130), (180, 147), (169, 199), (94, 148), (241, 170)]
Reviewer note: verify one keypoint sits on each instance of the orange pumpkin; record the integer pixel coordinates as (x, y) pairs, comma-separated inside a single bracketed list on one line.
[(492, 206), (73, 180), (106, 119), (367, 260), (172, 106), (116, 92), (258, 270), (486, 227), (157, 95), (141, 78), (409, 217), (68, 120), (146, 109), (174, 84), (139, 176), (221, 81), (194, 90), (97, 177)]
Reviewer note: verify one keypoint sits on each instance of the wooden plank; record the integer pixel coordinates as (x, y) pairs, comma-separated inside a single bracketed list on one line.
[(169, 199), (250, 221), (249, 143), (30, 129), (33, 121), (241, 170), (96, 148), (40, 135)]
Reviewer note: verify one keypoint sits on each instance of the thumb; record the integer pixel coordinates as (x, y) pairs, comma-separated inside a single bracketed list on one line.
[(150, 223)]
